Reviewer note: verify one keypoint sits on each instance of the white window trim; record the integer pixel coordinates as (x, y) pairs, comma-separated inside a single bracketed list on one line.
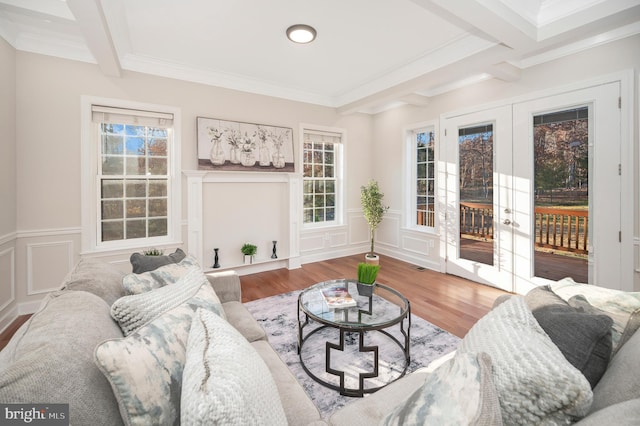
[(409, 199), (89, 168), (340, 175)]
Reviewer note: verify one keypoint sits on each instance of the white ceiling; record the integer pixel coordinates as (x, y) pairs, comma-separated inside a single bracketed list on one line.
[(369, 54)]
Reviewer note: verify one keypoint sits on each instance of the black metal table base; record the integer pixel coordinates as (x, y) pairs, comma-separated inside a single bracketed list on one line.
[(362, 348)]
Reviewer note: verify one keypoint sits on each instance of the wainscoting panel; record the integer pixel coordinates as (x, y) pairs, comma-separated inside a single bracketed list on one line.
[(311, 242), (47, 265), (416, 245), (337, 239), (7, 277), (358, 228)]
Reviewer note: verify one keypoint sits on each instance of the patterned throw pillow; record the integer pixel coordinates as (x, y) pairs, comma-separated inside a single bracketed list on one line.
[(623, 307), (160, 277), (225, 381), (145, 368), (459, 392), (535, 382), (132, 312)]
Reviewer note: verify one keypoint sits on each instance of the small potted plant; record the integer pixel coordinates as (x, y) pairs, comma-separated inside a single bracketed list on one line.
[(249, 250), (153, 252), (371, 200), (367, 274)]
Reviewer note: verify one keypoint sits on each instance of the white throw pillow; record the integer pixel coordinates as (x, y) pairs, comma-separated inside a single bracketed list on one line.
[(225, 381), (132, 312), (535, 382)]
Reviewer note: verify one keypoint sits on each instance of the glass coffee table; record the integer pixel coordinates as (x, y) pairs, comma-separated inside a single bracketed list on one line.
[(380, 346)]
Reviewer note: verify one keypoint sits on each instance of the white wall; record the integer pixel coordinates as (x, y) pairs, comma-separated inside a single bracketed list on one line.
[(388, 133), (47, 118), (7, 181)]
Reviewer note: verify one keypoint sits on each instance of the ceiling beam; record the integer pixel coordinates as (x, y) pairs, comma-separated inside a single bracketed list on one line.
[(505, 72), (90, 17), (471, 65)]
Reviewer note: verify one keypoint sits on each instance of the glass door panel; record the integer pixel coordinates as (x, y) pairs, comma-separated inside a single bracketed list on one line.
[(561, 187), (475, 192)]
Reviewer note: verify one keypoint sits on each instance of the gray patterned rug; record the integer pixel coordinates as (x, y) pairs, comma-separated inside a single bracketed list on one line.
[(277, 315)]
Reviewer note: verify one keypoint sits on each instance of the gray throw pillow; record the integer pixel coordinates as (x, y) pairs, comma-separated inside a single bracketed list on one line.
[(95, 276), (584, 338), (141, 263)]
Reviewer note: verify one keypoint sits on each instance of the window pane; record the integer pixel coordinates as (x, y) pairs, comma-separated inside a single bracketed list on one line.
[(306, 170), (330, 186), (112, 209), (136, 208), (112, 144), (111, 188), (135, 130), (422, 171), (136, 188), (157, 207), (112, 231), (328, 171), (331, 214), (318, 171), (158, 147), (319, 186), (331, 200), (158, 166), (318, 215), (423, 143), (318, 200), (135, 146), (112, 165), (308, 187), (136, 166), (158, 188), (157, 227), (136, 229), (422, 155)]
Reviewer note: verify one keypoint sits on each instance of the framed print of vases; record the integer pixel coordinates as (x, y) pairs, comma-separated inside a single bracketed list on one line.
[(225, 145)]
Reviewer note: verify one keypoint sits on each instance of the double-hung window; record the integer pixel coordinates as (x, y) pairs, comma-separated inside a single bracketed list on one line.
[(422, 180), (322, 178), (134, 178)]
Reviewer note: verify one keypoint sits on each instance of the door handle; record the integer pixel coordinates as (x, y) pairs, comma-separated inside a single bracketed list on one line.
[(507, 222)]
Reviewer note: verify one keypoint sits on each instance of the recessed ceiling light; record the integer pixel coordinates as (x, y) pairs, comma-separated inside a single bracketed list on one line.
[(301, 33)]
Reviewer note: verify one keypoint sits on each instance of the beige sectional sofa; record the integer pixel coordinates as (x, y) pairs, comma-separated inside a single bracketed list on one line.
[(52, 358)]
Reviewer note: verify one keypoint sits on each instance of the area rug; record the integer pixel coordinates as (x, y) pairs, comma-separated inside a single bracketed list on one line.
[(278, 316)]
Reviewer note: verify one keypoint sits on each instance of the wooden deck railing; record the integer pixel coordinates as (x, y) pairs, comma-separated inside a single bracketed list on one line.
[(426, 215), (558, 229), (562, 229), (476, 220)]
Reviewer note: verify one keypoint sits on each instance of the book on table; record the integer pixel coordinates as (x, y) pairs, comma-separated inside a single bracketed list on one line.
[(338, 297)]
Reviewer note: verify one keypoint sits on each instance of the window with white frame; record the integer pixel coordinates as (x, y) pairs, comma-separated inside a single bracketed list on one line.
[(322, 178), (422, 156), (132, 169)]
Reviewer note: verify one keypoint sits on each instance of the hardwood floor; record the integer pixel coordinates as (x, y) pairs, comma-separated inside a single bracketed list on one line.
[(452, 303)]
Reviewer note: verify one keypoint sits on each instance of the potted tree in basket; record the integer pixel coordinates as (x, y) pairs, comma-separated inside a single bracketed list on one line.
[(371, 200), (249, 250), (367, 274)]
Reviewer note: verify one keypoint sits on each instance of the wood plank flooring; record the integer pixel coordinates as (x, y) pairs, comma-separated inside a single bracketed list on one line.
[(452, 303)]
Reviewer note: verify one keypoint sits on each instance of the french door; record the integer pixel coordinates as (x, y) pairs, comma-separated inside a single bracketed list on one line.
[(478, 151), (533, 191)]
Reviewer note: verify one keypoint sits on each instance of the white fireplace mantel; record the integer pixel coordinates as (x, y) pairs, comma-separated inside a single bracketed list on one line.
[(197, 178)]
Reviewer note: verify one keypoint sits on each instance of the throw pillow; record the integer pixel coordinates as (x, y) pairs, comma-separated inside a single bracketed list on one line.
[(141, 263), (535, 382), (53, 361), (225, 381), (460, 392), (623, 307), (145, 368), (160, 277), (584, 338), (97, 277), (132, 312)]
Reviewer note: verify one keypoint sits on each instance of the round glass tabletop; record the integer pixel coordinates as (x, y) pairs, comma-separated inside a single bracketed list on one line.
[(338, 303)]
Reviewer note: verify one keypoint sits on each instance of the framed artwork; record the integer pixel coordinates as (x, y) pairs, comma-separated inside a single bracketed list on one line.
[(237, 146)]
